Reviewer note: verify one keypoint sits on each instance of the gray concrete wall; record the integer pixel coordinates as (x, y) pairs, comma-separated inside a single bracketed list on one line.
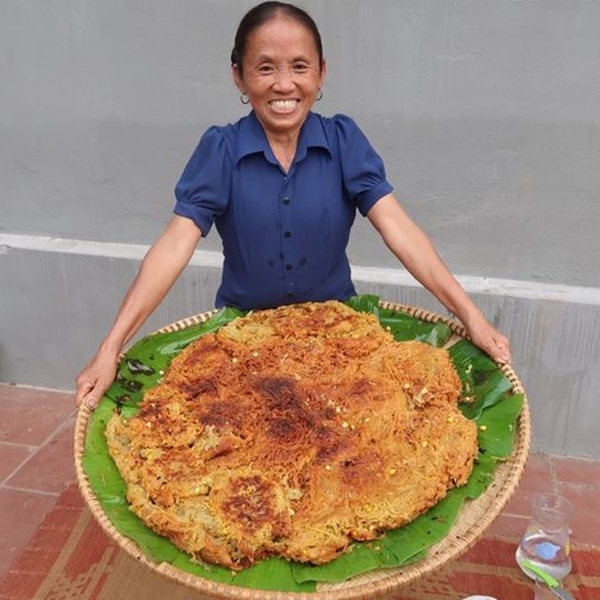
[(487, 113)]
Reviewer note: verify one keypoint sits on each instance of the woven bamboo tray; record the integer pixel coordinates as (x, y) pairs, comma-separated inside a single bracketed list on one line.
[(473, 520)]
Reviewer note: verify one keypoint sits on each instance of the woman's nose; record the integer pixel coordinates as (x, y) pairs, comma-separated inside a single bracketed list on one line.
[(284, 80)]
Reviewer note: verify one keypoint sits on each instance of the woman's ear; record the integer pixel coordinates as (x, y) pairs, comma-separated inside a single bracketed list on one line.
[(323, 71), (238, 80)]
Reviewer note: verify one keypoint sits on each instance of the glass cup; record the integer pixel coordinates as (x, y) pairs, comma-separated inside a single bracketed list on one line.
[(545, 542), (543, 592)]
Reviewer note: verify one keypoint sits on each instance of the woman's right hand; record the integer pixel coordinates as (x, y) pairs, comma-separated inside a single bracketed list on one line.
[(95, 379), (161, 266)]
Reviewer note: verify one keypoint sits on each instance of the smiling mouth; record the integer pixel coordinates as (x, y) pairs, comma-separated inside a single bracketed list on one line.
[(283, 106)]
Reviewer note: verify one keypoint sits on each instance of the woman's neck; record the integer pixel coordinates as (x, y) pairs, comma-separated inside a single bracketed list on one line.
[(284, 149)]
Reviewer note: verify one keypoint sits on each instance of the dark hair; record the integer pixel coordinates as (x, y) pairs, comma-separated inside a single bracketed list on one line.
[(261, 14)]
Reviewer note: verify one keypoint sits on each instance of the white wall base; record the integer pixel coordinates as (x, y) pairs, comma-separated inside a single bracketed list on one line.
[(59, 298)]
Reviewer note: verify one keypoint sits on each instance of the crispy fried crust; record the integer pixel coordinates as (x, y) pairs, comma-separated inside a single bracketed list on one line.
[(293, 432)]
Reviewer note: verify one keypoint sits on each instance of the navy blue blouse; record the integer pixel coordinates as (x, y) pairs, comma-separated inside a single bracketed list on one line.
[(284, 234)]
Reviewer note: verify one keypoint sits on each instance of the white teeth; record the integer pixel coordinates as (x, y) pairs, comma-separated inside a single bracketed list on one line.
[(283, 105)]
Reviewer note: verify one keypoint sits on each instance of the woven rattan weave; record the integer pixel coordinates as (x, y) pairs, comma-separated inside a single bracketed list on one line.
[(473, 521)]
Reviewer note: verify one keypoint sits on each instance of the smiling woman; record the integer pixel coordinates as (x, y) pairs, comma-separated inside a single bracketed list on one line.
[(282, 186), (281, 71)]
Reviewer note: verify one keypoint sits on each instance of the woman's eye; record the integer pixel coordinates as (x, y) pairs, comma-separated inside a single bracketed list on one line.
[(265, 69), (301, 68)]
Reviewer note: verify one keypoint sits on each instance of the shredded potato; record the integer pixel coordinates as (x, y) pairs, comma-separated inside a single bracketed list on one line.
[(293, 432)]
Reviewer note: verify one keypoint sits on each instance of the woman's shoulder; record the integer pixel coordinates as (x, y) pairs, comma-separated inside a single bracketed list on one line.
[(222, 133), (338, 121), (220, 140), (343, 129), (236, 136)]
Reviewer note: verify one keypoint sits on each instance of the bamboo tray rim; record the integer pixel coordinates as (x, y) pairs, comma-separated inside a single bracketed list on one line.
[(473, 520)]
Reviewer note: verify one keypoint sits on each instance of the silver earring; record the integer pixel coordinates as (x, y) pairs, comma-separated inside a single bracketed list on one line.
[(243, 98), (319, 95)]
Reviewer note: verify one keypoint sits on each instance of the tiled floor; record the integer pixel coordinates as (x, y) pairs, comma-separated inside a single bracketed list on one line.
[(36, 460)]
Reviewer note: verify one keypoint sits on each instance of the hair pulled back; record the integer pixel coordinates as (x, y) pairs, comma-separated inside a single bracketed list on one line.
[(261, 14)]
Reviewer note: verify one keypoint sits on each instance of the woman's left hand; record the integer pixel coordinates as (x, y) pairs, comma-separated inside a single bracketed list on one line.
[(490, 340), (415, 251)]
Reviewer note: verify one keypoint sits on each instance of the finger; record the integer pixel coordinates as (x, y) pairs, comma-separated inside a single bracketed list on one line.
[(83, 389), (91, 400), (504, 359), (502, 352)]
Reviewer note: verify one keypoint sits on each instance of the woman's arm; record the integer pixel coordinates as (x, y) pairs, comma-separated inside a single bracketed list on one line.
[(159, 270), (416, 252)]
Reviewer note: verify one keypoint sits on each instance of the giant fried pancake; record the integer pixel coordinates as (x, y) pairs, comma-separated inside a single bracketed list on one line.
[(293, 432)]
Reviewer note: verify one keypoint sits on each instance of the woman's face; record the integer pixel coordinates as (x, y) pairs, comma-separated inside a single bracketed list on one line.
[(281, 75)]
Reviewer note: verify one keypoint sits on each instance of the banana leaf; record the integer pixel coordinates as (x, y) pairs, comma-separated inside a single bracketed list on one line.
[(490, 404), (148, 359), (484, 384), (402, 326)]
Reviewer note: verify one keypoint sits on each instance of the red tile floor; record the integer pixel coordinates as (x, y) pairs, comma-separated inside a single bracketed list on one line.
[(36, 461)]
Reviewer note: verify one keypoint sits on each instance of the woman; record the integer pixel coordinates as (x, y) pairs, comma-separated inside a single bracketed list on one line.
[(282, 186)]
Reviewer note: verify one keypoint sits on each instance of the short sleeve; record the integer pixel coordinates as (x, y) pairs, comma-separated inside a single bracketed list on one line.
[(202, 191), (363, 171)]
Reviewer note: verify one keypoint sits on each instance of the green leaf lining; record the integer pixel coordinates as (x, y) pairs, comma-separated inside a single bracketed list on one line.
[(493, 409)]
